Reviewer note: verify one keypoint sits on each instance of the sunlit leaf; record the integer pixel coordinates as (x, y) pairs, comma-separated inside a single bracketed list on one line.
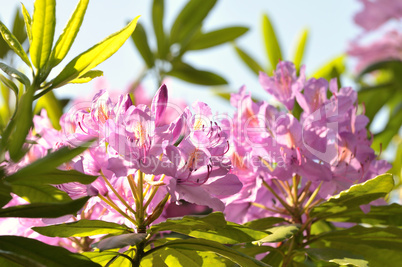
[(43, 25), (33, 253), (189, 74), (217, 37), (53, 107), (82, 228), (120, 241), (13, 43), (44, 210), (271, 42), (207, 245), (391, 129), (249, 61), (18, 27), (40, 193), (15, 74), (300, 48), (355, 196), (140, 39), (190, 19), (337, 64), (278, 234), (158, 7), (340, 257), (94, 56), (10, 84), (87, 77), (70, 31), (28, 22)]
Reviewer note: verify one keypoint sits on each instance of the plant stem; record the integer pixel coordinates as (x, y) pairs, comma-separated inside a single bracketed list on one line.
[(139, 254)]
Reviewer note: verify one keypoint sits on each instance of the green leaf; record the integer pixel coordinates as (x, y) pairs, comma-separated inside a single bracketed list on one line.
[(211, 227), (375, 97), (101, 258), (207, 245), (18, 27), (381, 65), (43, 25), (158, 7), (391, 129), (91, 58), (70, 31), (47, 165), (13, 43), (120, 241), (189, 74), (376, 244), (53, 107), (44, 210), (30, 252), (300, 48), (140, 39), (249, 61), (217, 37), (5, 195), (82, 228), (28, 22), (272, 46), (355, 196), (23, 123), (340, 257), (278, 234), (334, 66), (264, 223), (15, 74), (190, 19), (89, 76), (40, 193), (10, 84)]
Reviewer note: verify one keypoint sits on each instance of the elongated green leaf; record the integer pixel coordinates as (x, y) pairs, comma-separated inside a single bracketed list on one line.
[(54, 176), (340, 257), (70, 31), (82, 228), (190, 19), (87, 77), (13, 43), (300, 48), (158, 7), (390, 215), (94, 56), (40, 193), (30, 252), (189, 74), (120, 241), (5, 196), (53, 107), (249, 61), (279, 234), (381, 65), (355, 196), (48, 164), (15, 74), (391, 129), (44, 210), (207, 245), (23, 122), (272, 46), (211, 227), (264, 223), (43, 25), (217, 37), (140, 39), (18, 27), (103, 257), (28, 22), (10, 84), (375, 97), (376, 244), (335, 65)]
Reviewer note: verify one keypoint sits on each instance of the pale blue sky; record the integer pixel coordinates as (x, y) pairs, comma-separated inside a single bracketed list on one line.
[(330, 23)]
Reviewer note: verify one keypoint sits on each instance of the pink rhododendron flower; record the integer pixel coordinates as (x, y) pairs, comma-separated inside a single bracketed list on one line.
[(377, 12)]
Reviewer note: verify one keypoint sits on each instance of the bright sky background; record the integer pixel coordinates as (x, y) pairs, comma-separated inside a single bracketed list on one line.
[(330, 23)]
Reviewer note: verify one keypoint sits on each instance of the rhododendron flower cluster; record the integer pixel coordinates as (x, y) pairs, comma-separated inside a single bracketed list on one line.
[(265, 160), (287, 161)]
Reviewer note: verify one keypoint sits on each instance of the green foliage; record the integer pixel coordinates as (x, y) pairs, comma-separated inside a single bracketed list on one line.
[(185, 35), (82, 228), (29, 252), (272, 46)]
